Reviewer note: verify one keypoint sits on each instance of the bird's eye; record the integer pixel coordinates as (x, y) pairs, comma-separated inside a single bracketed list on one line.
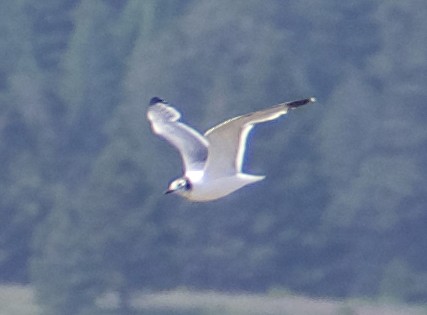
[(184, 184)]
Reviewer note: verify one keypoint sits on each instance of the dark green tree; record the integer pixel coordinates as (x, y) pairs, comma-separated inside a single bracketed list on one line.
[(100, 236), (24, 190)]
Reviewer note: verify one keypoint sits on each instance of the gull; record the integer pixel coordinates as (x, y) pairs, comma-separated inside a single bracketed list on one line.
[(212, 162)]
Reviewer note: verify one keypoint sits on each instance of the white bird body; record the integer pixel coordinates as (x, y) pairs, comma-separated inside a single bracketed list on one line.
[(212, 162), (207, 190)]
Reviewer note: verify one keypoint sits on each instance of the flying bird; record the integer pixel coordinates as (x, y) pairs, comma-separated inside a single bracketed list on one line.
[(212, 162)]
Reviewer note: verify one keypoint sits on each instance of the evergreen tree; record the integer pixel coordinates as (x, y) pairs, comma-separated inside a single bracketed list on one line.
[(23, 114)]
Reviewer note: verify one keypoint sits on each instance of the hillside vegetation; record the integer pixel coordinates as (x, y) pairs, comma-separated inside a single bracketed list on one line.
[(342, 211)]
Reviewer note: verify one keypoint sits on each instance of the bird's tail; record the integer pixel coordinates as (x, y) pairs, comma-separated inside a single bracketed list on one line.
[(250, 178)]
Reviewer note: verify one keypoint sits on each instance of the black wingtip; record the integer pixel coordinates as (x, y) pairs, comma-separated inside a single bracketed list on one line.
[(156, 100), (304, 101)]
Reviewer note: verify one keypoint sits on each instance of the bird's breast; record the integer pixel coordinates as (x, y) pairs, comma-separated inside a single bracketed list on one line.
[(207, 190)]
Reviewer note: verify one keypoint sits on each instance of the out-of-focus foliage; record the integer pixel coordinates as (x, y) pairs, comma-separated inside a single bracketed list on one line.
[(343, 209)]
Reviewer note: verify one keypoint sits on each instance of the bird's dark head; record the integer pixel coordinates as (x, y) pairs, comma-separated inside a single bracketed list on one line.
[(180, 185), (156, 100)]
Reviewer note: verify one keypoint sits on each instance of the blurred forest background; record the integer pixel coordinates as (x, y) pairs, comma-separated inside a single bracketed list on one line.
[(342, 213)]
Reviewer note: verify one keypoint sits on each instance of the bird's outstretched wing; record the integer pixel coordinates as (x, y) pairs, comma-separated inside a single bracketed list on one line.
[(192, 146), (227, 141)]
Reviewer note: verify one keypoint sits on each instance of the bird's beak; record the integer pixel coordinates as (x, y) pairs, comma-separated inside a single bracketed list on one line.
[(168, 191)]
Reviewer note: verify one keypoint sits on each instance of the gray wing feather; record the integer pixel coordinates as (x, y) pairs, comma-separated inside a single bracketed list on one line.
[(192, 146)]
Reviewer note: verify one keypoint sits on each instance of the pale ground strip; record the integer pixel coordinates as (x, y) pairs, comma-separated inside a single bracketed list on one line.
[(19, 300), (251, 304)]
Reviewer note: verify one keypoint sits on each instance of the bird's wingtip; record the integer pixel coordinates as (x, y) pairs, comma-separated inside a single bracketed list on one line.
[(295, 104), (155, 100)]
